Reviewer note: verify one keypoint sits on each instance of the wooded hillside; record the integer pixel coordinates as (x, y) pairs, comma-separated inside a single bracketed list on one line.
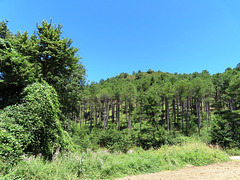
[(46, 103)]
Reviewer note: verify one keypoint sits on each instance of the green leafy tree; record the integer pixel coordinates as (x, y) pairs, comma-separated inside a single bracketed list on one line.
[(151, 103), (43, 55), (15, 73)]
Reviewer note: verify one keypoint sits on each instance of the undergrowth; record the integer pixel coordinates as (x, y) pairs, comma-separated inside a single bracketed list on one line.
[(102, 164)]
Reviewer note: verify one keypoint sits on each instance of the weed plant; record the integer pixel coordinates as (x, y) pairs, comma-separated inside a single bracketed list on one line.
[(103, 164)]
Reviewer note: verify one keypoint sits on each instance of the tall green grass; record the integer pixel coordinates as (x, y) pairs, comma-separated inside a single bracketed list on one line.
[(102, 164)]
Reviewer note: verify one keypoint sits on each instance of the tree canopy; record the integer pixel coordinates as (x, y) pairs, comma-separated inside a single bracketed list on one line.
[(44, 55)]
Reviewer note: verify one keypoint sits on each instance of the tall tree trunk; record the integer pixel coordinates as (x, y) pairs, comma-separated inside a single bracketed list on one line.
[(193, 105), (189, 112), (118, 115), (126, 110), (207, 114), (177, 112), (113, 111), (162, 110), (187, 120), (105, 115), (182, 117), (140, 121), (76, 116), (167, 115), (174, 111), (129, 118), (199, 116), (121, 114), (84, 118), (80, 119), (95, 115), (100, 113), (91, 118)]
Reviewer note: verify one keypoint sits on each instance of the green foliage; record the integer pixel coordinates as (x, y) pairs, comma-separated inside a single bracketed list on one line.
[(233, 151), (103, 165), (225, 129), (66, 166), (41, 103), (156, 137), (44, 55), (4, 32), (33, 125), (138, 75), (120, 141), (129, 93), (15, 72), (82, 139), (13, 139), (153, 105), (150, 71), (115, 140)]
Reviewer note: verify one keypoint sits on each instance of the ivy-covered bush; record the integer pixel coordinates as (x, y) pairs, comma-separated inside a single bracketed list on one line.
[(33, 125), (12, 142)]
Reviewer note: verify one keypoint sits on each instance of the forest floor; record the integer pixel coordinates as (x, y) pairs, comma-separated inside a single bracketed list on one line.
[(221, 171)]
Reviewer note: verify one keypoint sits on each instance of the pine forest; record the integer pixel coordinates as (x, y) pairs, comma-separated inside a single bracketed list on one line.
[(50, 113)]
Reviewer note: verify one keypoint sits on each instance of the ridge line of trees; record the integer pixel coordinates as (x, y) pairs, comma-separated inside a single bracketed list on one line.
[(177, 101)]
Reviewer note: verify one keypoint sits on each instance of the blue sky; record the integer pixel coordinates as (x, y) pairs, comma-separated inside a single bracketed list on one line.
[(114, 36)]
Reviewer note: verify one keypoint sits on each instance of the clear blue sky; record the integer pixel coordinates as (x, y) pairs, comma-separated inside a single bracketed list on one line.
[(116, 36)]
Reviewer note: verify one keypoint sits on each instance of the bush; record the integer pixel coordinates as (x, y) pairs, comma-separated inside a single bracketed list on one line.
[(115, 140), (225, 130), (12, 140), (150, 136), (112, 139), (81, 138), (32, 125)]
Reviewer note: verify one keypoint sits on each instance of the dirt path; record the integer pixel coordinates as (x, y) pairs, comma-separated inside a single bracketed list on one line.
[(229, 170)]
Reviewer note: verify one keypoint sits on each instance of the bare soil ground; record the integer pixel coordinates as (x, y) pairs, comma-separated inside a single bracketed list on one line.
[(228, 170)]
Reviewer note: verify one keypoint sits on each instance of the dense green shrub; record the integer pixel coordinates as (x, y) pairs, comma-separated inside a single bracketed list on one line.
[(40, 117), (32, 125), (122, 141), (115, 140), (81, 138), (12, 142), (225, 130), (112, 139), (151, 136)]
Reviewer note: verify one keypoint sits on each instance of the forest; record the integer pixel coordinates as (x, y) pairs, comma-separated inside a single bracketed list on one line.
[(49, 113)]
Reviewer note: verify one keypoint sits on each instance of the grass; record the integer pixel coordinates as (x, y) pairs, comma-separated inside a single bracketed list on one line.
[(102, 164), (233, 151)]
